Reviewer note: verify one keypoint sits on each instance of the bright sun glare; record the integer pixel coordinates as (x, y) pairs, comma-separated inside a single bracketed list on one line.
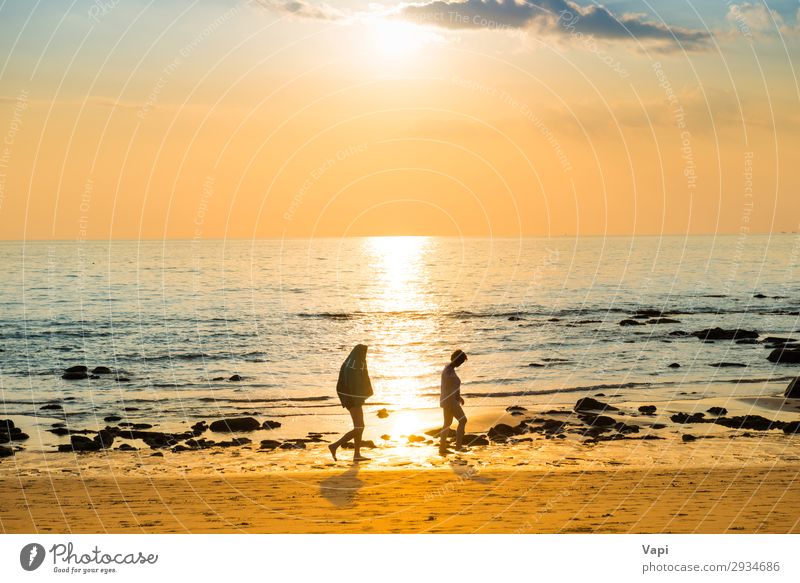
[(399, 41)]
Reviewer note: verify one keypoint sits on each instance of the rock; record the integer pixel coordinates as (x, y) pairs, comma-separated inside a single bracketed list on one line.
[(756, 422), (6, 451), (199, 428), (686, 418), (728, 365), (74, 376), (598, 420), (475, 440), (785, 356), (759, 296), (270, 444), (514, 318), (367, 443), (126, 447), (722, 334), (792, 428), (536, 364), (383, 414), (626, 429), (179, 448), (647, 409), (589, 404), (674, 365), (112, 418), (747, 341), (793, 390), (122, 380), (663, 321), (718, 411), (157, 454), (515, 408), (386, 437), (629, 322), (141, 426), (51, 407), (104, 439), (59, 431), (270, 424), (101, 370), (78, 368), (235, 424), (647, 313), (777, 340), (501, 432), (687, 437), (80, 443), (291, 445), (235, 378), (415, 439)]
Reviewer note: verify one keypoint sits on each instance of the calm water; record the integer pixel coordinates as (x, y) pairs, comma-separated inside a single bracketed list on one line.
[(174, 316)]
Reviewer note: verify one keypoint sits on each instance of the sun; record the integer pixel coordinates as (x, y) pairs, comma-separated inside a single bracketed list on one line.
[(395, 40)]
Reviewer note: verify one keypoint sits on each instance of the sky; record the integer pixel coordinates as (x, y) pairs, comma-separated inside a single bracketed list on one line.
[(132, 119)]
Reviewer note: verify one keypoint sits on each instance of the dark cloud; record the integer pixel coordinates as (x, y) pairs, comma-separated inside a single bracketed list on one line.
[(554, 16)]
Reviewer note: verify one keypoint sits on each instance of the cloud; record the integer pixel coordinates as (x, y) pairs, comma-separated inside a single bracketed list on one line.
[(302, 9), (561, 17), (759, 20)]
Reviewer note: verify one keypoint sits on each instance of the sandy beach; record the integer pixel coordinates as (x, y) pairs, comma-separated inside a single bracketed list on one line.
[(558, 470), (754, 499)]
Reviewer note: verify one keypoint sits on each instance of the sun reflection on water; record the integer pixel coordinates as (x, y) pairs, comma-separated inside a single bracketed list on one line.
[(400, 360)]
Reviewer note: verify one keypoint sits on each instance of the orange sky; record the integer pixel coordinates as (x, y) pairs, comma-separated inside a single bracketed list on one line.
[(217, 119)]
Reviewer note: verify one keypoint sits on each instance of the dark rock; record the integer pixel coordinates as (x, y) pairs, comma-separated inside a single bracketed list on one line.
[(383, 414), (792, 428), (179, 448), (686, 418), (536, 365), (687, 437), (514, 318), (516, 408), (126, 447), (777, 340), (104, 439), (366, 443), (728, 365), (122, 380), (475, 440), (747, 341), (199, 428), (235, 424), (718, 411), (141, 426), (290, 445), (81, 443), (759, 296), (598, 420), (101, 370), (270, 444), (74, 376), (723, 334), (112, 418), (236, 378), (648, 313), (589, 404), (626, 429), (270, 424), (51, 407), (756, 422), (658, 426), (157, 454), (674, 365), (630, 322), (647, 409), (793, 390), (78, 368), (59, 431), (663, 321), (501, 432), (785, 356), (6, 451)]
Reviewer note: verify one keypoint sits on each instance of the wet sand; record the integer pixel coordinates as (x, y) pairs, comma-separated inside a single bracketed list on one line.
[(349, 499)]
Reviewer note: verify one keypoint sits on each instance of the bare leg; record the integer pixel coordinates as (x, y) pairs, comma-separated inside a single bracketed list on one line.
[(357, 413), (462, 425), (448, 420), (342, 440)]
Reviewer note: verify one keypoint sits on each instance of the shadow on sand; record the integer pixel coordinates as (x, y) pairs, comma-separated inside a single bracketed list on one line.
[(341, 490)]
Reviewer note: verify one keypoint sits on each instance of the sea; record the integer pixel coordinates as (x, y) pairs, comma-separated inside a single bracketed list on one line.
[(539, 319)]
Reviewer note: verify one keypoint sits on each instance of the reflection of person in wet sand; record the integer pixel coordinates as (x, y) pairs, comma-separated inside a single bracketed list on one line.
[(450, 401), (353, 388)]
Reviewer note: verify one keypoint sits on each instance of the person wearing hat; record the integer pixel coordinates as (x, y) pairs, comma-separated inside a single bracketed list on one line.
[(450, 401), (353, 388)]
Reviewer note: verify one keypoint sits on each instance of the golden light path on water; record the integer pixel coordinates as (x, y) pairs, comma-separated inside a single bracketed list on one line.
[(400, 360)]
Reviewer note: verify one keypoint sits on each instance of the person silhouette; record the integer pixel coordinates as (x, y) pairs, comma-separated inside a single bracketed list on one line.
[(353, 388), (450, 401)]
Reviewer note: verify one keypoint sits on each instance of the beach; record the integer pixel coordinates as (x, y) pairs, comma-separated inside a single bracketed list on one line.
[(654, 480)]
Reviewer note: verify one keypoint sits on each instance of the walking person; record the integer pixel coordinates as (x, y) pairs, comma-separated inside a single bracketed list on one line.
[(450, 401), (353, 388)]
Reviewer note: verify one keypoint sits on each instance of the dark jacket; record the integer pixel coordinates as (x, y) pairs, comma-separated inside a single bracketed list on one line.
[(354, 386)]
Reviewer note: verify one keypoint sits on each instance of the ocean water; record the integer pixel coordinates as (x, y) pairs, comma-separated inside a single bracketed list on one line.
[(178, 318)]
